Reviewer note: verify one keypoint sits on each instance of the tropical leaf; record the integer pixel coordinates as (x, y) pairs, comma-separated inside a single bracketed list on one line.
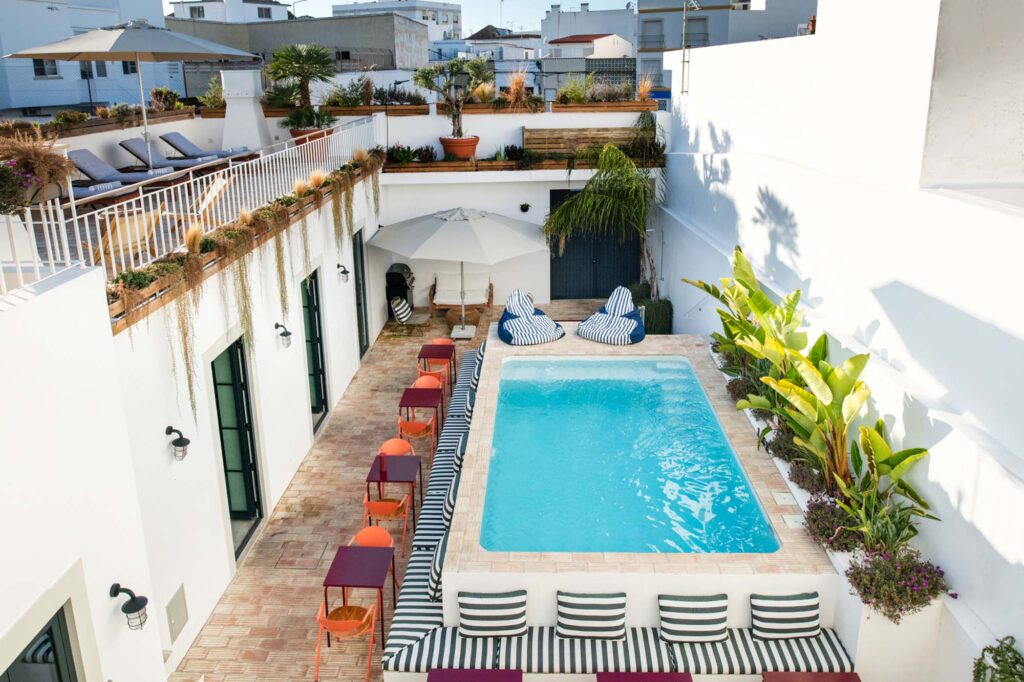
[(853, 403), (743, 272), (796, 396), (809, 373), (754, 402), (819, 351), (843, 378), (710, 289), (901, 462)]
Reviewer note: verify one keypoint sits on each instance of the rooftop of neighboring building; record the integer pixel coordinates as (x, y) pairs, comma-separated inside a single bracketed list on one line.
[(491, 32), (579, 38)]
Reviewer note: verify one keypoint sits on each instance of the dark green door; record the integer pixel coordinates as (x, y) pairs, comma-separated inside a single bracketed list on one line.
[(314, 348), (237, 444), (359, 268), (46, 658)]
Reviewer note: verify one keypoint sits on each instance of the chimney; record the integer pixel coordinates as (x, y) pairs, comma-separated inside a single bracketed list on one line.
[(584, 6), (556, 9)]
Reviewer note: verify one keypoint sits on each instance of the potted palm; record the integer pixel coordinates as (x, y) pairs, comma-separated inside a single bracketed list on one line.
[(302, 65), (455, 82)]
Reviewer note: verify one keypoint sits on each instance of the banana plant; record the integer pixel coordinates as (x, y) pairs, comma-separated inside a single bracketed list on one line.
[(821, 410), (875, 459)]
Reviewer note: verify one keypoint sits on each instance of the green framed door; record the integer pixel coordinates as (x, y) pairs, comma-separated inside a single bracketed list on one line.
[(237, 443), (359, 268), (47, 658), (315, 366)]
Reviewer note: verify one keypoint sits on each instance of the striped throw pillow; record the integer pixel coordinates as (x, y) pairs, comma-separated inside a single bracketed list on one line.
[(492, 614), (401, 309), (785, 616), (434, 579), (449, 501), (460, 450), (693, 619), (470, 402), (591, 616)]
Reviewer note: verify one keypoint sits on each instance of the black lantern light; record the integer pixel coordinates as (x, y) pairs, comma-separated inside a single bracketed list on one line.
[(286, 336), (180, 444), (134, 609), (343, 272)]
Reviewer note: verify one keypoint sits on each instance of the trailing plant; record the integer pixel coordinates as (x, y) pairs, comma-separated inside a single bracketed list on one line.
[(806, 477), (302, 65), (827, 523), (214, 95), (1001, 662), (454, 81), (425, 153), (896, 584)]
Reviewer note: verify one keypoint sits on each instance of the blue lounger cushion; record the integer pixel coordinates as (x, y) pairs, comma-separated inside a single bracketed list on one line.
[(524, 325), (136, 146), (189, 150), (86, 191), (617, 323), (95, 168)]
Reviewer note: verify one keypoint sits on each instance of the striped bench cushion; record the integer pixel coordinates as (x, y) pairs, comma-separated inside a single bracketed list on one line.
[(445, 648), (785, 616), (743, 654), (467, 411), (441, 476), (543, 651), (693, 619), (492, 614), (436, 565), (449, 500), (430, 525), (416, 614), (451, 434), (591, 616), (474, 382)]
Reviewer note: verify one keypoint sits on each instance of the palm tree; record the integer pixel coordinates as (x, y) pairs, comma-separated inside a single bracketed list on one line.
[(617, 201), (303, 64)]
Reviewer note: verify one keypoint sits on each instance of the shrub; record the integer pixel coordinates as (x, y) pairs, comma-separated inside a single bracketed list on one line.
[(397, 95), (658, 316), (13, 184), (65, 119), (828, 524), (896, 585), (307, 118), (164, 99), (610, 92), (574, 91), (136, 279), (358, 92), (125, 113), (214, 95), (281, 95), (999, 663), (781, 444), (399, 153), (740, 387), (513, 152), (450, 157), (426, 153), (806, 476), (641, 291)]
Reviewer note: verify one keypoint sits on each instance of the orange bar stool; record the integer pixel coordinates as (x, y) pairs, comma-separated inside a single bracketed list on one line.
[(429, 379), (387, 510), (396, 446), (441, 366), (346, 622), (418, 428)]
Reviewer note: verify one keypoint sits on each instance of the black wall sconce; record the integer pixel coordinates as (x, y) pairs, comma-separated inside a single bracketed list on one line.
[(180, 444), (343, 272), (524, 207), (134, 609), (286, 336)]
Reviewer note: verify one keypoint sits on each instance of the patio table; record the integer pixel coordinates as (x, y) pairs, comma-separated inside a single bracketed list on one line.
[(810, 677), (454, 675), (427, 398), (644, 677), (445, 351), (366, 567), (396, 469)]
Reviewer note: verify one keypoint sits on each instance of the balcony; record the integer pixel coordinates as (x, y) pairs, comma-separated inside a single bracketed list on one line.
[(652, 41)]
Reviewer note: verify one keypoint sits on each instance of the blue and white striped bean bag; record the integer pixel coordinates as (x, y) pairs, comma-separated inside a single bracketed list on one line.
[(523, 325), (617, 323)]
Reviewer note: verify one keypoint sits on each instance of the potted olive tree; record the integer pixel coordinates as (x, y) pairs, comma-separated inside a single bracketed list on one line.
[(455, 81), (302, 65)]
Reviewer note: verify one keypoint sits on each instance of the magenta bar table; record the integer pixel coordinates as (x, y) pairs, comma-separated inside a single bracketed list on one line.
[(453, 675), (644, 677), (365, 567)]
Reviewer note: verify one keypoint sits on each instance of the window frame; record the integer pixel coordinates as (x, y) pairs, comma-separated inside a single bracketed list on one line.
[(264, 13), (41, 68), (197, 12)]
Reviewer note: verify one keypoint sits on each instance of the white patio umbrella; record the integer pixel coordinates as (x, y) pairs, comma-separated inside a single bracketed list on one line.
[(135, 41), (465, 235)]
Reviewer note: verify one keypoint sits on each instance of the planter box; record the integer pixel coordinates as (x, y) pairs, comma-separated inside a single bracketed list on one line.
[(276, 112), (432, 167), (497, 165), (208, 112), (650, 105), (390, 110), (476, 108), (102, 125)]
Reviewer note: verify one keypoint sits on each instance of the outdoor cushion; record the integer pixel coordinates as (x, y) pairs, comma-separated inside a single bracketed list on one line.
[(186, 148), (591, 616), (415, 615), (523, 325), (445, 648), (467, 411), (82, 192), (542, 651), (403, 313), (430, 524), (693, 619), (617, 323), (441, 475), (436, 564), (448, 508), (743, 654), (447, 289), (785, 616), (136, 146), (474, 382), (492, 614), (95, 168), (460, 451)]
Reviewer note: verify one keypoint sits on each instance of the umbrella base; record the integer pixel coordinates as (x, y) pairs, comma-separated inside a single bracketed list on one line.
[(460, 333)]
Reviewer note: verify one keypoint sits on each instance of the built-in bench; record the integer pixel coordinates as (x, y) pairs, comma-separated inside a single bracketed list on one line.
[(568, 141)]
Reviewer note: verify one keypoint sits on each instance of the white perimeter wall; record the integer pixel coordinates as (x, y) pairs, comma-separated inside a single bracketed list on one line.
[(807, 152)]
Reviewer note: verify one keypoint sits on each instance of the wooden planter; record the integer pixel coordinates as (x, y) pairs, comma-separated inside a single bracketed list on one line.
[(390, 110), (593, 107), (476, 108), (492, 165), (431, 167), (209, 112), (102, 125), (276, 112)]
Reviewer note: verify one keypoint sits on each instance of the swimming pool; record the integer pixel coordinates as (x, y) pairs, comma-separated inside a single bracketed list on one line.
[(614, 455)]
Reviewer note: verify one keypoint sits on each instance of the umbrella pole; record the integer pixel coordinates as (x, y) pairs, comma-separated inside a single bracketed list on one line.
[(461, 331), (145, 119)]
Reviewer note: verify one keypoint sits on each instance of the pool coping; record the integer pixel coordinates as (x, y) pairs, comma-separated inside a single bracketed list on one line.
[(797, 554)]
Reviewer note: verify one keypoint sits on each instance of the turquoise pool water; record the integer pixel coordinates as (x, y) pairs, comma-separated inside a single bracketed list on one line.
[(614, 455)]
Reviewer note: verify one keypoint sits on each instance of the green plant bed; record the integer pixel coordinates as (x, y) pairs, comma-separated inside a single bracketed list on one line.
[(897, 585)]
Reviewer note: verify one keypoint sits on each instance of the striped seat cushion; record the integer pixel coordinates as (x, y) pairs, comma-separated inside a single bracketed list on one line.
[(436, 564), (492, 614), (430, 524), (449, 500), (543, 651), (468, 409), (591, 616), (460, 451), (785, 616), (441, 476), (743, 654), (693, 619), (415, 614), (401, 309), (474, 382), (451, 434), (445, 648)]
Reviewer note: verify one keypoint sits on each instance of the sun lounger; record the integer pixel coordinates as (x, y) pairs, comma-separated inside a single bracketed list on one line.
[(136, 146), (188, 150), (91, 189), (523, 325), (95, 168), (617, 323)]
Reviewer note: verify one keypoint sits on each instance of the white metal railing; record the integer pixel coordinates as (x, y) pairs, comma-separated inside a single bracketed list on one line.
[(132, 233)]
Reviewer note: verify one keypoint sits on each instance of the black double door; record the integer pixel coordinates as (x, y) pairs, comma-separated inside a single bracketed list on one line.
[(591, 267)]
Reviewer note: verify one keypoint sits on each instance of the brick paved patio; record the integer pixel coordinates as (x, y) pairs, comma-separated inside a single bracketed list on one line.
[(264, 626)]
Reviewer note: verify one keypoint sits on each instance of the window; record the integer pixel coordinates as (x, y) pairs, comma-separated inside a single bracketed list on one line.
[(85, 70), (197, 12), (45, 68), (47, 657), (444, 18), (89, 70), (129, 68), (263, 12), (455, 18), (345, 55), (101, 69)]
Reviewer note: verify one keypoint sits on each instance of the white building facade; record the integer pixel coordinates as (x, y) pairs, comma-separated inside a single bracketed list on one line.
[(28, 86), (559, 22), (231, 11), (443, 19), (589, 46)]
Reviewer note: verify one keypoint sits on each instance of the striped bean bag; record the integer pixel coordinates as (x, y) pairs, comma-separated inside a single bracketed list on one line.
[(523, 325), (617, 323), (542, 651), (743, 654), (445, 648)]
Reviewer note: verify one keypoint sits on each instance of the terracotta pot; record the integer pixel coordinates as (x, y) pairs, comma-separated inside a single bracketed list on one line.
[(296, 133), (462, 148)]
